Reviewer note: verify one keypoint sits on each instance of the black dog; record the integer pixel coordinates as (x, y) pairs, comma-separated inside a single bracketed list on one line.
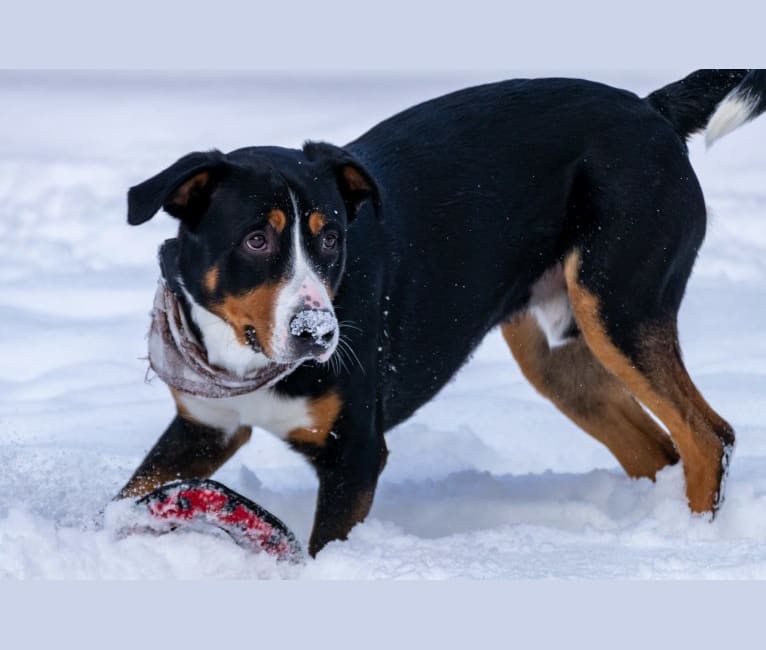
[(562, 210)]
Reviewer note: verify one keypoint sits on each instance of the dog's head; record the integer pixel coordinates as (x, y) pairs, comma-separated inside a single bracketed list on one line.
[(262, 246)]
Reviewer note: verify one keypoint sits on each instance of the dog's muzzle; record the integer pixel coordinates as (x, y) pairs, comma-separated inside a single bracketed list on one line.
[(313, 332)]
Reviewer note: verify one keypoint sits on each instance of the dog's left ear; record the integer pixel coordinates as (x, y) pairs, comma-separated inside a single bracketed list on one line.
[(356, 184)]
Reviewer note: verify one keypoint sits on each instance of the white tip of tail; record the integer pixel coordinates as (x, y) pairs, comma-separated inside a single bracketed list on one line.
[(732, 112)]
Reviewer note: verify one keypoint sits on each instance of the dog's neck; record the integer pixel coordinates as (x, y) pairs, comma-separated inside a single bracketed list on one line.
[(171, 276)]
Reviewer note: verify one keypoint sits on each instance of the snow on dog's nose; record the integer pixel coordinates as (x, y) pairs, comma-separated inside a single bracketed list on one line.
[(313, 332)]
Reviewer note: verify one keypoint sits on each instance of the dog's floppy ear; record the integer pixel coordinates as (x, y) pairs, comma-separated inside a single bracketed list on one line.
[(355, 182), (182, 190)]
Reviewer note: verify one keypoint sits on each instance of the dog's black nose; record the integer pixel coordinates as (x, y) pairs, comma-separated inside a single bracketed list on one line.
[(313, 330)]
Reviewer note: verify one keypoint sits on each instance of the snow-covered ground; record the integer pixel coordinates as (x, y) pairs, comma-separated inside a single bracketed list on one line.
[(488, 480)]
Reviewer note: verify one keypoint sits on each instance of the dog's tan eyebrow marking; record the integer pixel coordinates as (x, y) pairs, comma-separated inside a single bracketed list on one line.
[(278, 220), (211, 279), (323, 412), (317, 221)]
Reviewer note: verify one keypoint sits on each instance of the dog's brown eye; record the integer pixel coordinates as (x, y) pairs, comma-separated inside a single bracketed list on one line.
[(329, 240), (256, 242)]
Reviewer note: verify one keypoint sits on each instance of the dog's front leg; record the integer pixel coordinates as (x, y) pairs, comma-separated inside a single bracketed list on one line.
[(186, 450), (348, 470)]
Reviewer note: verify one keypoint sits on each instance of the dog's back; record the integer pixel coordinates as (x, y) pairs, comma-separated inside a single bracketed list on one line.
[(484, 190)]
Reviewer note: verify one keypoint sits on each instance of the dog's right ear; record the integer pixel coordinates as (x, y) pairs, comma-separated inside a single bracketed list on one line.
[(183, 190)]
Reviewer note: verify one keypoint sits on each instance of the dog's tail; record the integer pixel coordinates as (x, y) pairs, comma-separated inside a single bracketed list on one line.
[(717, 101)]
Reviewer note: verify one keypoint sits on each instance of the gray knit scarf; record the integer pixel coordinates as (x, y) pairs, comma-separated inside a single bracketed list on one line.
[(179, 359)]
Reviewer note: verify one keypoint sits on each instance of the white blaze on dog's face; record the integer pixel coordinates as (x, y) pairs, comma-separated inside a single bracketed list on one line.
[(304, 318)]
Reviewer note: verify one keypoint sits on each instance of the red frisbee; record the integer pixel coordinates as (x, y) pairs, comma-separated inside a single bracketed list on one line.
[(187, 503)]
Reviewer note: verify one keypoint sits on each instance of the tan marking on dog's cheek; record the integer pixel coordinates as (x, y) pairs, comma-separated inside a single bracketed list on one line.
[(278, 220), (211, 279), (317, 221), (254, 308), (323, 412)]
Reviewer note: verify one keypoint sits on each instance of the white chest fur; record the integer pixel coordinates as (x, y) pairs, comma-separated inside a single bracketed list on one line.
[(264, 408)]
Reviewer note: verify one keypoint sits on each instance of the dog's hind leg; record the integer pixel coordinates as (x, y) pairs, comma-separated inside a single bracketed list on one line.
[(574, 380), (628, 321)]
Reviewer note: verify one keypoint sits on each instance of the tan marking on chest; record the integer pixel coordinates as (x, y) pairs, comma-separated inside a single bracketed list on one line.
[(323, 412)]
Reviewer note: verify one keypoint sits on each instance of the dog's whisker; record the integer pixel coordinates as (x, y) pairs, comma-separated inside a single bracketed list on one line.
[(349, 325), (350, 350), (341, 361)]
